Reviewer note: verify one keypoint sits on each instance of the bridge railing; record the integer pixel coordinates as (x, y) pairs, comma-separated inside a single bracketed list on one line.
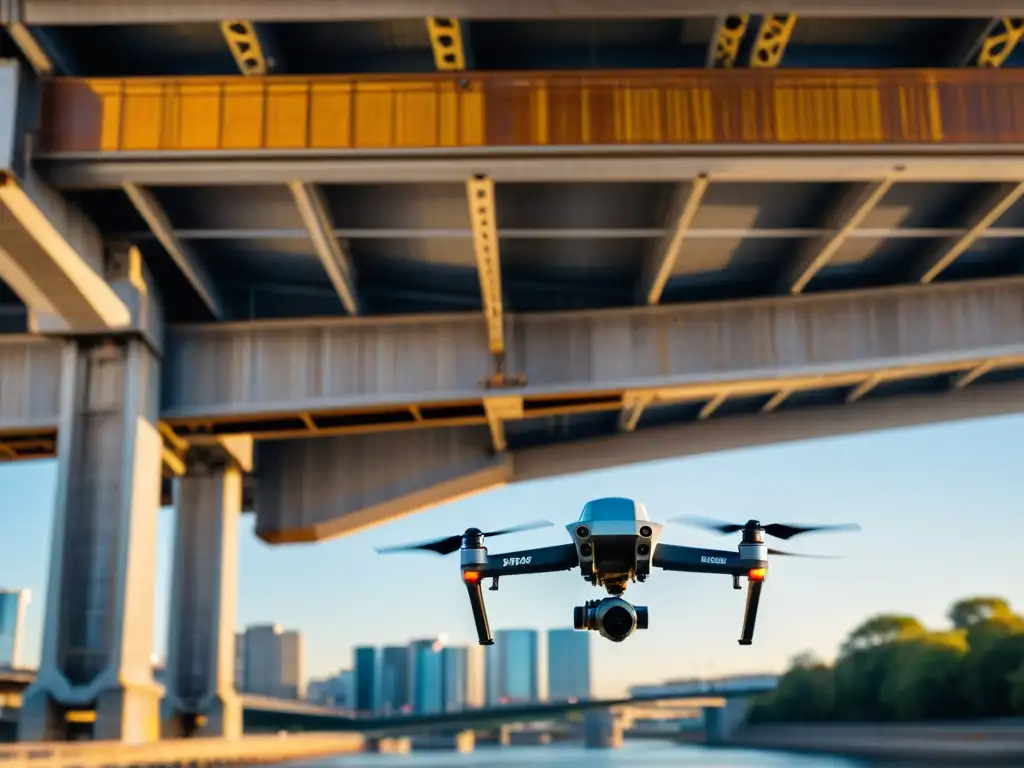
[(249, 749)]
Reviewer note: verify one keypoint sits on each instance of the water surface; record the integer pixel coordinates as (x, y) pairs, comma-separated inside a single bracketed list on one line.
[(632, 755)]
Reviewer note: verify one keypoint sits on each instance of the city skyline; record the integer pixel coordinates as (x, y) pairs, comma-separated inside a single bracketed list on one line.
[(909, 489)]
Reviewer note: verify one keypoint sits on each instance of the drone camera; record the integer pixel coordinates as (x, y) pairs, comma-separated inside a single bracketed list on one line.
[(612, 617)]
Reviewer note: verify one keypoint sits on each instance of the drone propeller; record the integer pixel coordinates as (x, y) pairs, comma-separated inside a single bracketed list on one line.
[(777, 530), (451, 544), (777, 552)]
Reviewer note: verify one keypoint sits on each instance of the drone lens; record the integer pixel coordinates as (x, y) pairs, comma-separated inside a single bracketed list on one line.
[(617, 621), (643, 549), (582, 532), (586, 550), (646, 531)]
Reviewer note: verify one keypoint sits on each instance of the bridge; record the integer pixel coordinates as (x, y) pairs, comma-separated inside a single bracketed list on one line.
[(376, 261), (263, 714)]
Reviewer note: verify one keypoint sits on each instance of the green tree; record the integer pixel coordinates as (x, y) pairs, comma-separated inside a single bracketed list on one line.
[(924, 678), (804, 694), (891, 667), (990, 669), (881, 630), (1017, 691), (864, 663), (969, 611)]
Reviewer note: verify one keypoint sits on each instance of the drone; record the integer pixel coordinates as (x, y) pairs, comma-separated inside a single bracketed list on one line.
[(615, 543)]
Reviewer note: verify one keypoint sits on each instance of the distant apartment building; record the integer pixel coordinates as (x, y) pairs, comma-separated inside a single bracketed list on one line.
[(335, 691), (568, 664), (365, 667), (455, 669), (293, 665), (273, 662), (13, 605), (515, 676), (395, 675)]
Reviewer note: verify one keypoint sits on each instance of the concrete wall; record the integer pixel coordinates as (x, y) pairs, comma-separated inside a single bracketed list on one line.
[(980, 743)]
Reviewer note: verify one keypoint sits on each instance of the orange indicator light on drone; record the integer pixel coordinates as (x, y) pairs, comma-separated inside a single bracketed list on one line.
[(471, 577), (757, 574)]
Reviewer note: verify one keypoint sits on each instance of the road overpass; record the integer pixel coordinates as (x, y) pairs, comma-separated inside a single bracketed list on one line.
[(376, 261)]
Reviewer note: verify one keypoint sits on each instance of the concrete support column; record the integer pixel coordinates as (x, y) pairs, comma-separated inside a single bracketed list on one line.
[(602, 730), (95, 676), (201, 699), (722, 723)]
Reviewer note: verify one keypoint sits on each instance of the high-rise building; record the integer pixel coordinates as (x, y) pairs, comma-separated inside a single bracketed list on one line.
[(13, 604), (335, 691), (318, 691), (568, 664), (492, 692), (395, 665), (475, 676), (428, 691), (415, 659), (293, 665), (365, 666), (455, 663), (274, 662), (345, 689), (240, 661), (516, 674)]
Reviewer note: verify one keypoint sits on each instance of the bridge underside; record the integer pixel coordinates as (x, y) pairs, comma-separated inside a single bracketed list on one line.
[(334, 262)]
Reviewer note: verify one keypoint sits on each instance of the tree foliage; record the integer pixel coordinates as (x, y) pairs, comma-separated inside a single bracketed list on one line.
[(892, 668)]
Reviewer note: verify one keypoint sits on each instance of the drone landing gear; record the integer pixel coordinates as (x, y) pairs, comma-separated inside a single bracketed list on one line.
[(755, 583), (476, 602)]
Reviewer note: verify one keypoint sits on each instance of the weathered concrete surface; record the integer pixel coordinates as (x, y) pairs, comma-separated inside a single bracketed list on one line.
[(964, 744)]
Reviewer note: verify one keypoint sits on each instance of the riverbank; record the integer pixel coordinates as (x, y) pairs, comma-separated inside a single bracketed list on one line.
[(987, 743)]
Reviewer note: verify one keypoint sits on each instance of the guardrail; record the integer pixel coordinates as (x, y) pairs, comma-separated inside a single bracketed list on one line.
[(248, 750)]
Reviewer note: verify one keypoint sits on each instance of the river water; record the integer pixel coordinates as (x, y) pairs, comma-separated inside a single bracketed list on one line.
[(645, 754)]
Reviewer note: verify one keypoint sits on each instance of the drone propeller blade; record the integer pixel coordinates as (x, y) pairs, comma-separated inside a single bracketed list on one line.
[(452, 544), (801, 554), (524, 527), (445, 546), (708, 524), (777, 530), (785, 531)]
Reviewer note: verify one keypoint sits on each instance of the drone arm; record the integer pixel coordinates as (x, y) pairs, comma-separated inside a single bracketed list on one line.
[(671, 557), (476, 602), (754, 587), (562, 557)]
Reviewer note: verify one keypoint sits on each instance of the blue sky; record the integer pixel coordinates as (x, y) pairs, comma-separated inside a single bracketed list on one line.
[(936, 505)]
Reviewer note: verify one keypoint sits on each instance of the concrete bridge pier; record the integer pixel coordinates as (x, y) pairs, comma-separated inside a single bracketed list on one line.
[(460, 741), (98, 633), (722, 723), (602, 729), (387, 745), (201, 698)]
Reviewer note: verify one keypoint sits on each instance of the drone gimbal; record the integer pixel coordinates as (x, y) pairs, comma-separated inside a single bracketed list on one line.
[(613, 544)]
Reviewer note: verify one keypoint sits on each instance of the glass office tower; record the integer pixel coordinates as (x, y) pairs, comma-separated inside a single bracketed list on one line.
[(13, 604), (568, 664), (516, 678), (394, 679), (365, 668)]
